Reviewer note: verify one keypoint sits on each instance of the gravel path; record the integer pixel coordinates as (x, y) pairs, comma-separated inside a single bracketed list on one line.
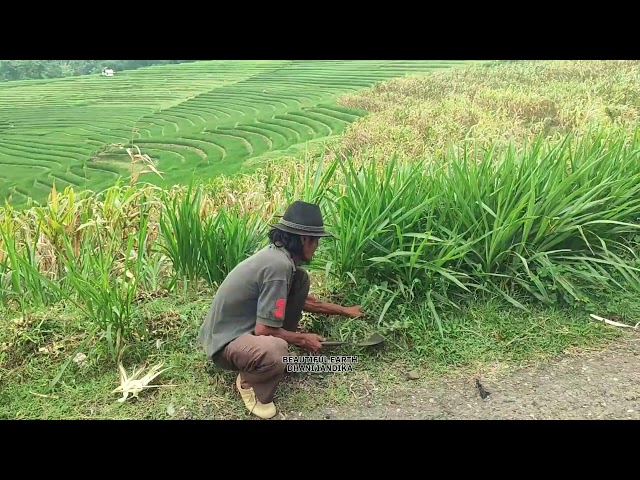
[(600, 385)]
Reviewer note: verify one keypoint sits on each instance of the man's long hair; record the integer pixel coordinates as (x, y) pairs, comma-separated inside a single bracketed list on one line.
[(289, 241)]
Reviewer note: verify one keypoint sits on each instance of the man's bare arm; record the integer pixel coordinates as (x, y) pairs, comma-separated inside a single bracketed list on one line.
[(313, 305), (308, 341)]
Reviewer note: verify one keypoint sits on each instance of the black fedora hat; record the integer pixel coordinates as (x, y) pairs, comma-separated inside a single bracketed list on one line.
[(302, 218)]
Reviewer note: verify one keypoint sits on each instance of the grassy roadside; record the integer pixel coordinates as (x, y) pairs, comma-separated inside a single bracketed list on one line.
[(489, 336)]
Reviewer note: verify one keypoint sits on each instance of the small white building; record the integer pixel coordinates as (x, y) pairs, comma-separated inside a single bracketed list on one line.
[(107, 72)]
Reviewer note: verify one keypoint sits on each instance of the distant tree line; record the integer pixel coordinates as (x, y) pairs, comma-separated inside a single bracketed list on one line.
[(31, 69)]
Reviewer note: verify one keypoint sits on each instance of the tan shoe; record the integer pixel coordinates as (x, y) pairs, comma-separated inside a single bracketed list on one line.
[(253, 404)]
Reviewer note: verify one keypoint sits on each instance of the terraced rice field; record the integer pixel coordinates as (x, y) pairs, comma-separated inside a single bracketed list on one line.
[(201, 119)]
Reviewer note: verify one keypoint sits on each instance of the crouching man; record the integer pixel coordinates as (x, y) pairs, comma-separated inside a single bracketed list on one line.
[(255, 313)]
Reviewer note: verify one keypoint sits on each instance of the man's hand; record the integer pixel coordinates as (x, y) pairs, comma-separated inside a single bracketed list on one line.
[(353, 312), (311, 342)]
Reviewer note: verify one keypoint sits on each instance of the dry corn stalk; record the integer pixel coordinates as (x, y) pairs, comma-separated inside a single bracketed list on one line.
[(612, 322), (145, 159), (132, 385)]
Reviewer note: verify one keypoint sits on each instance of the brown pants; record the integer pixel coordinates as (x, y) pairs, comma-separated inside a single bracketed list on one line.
[(259, 357)]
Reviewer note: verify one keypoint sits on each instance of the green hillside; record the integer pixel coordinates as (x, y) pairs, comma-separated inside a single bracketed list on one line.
[(202, 118)]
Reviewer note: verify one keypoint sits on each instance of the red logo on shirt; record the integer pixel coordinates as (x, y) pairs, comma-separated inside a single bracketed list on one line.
[(279, 311)]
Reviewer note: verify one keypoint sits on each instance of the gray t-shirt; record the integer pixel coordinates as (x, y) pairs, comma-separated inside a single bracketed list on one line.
[(255, 290)]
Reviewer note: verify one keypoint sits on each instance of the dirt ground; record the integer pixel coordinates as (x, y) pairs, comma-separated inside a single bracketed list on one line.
[(595, 385)]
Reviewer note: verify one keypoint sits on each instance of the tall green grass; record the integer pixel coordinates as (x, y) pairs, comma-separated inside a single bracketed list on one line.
[(548, 219), (545, 223), (207, 245)]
